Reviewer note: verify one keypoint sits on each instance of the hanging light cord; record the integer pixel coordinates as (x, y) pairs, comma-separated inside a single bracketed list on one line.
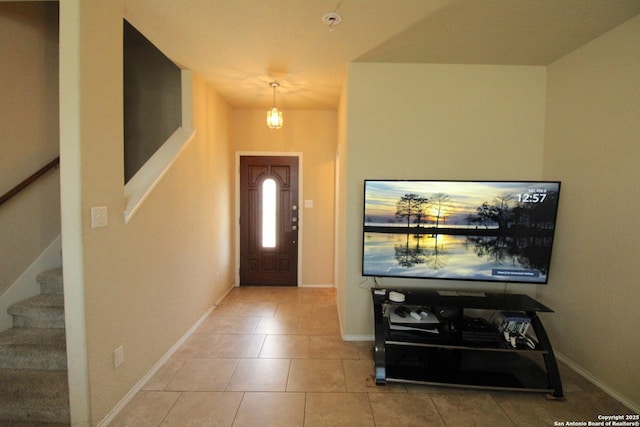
[(274, 85)]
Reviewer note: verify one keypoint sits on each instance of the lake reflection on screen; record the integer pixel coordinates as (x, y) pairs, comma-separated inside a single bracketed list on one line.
[(461, 257)]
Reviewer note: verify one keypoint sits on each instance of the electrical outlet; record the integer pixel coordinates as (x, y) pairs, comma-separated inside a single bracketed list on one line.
[(118, 356)]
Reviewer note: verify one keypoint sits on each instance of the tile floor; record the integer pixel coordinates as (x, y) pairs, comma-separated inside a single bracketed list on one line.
[(273, 356)]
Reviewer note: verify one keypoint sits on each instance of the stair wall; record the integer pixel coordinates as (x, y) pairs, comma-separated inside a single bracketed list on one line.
[(26, 286)]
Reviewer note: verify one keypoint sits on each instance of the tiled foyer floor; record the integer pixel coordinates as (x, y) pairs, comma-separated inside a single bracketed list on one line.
[(274, 357)]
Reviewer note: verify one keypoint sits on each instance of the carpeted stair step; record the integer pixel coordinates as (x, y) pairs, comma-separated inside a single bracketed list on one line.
[(33, 348), (41, 311), (33, 360), (51, 282), (33, 396)]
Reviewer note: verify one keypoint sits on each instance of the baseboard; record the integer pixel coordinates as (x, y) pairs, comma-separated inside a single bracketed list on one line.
[(26, 285), (358, 338), (136, 388), (353, 337), (634, 406), (320, 285), (316, 286), (219, 300)]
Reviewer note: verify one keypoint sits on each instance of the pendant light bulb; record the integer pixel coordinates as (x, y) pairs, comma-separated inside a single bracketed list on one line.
[(274, 116)]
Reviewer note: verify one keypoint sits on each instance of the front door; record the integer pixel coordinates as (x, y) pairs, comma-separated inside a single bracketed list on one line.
[(269, 220)]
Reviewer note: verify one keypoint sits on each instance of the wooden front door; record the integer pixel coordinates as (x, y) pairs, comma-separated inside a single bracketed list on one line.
[(269, 220)]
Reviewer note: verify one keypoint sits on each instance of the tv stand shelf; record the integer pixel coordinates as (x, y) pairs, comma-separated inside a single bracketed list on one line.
[(456, 354)]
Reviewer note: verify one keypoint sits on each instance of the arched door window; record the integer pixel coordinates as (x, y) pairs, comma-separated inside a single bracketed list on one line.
[(269, 208)]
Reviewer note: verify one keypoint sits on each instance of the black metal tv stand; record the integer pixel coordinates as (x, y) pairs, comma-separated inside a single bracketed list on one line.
[(453, 351)]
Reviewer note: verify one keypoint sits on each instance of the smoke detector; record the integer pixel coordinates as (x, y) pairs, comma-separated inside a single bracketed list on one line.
[(331, 19)]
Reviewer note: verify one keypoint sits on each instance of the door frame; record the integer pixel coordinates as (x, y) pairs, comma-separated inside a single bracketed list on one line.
[(237, 207)]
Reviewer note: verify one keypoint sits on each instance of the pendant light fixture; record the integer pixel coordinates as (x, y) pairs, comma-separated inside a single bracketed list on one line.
[(274, 117)]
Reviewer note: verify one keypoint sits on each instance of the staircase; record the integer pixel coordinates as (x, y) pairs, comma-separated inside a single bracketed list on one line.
[(33, 358)]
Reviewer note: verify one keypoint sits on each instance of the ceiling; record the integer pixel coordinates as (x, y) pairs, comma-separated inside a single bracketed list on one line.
[(239, 46)]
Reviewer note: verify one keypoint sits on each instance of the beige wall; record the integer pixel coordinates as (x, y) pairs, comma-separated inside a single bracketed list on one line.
[(411, 121), (30, 221), (593, 146), (145, 283), (312, 133)]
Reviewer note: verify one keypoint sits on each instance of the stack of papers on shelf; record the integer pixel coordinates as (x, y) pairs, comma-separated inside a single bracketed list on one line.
[(432, 329)]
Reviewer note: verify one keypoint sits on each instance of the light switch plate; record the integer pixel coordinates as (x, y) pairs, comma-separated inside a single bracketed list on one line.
[(99, 216), (308, 203)]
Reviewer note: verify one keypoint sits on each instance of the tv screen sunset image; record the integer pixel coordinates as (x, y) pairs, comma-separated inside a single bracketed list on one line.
[(464, 230)]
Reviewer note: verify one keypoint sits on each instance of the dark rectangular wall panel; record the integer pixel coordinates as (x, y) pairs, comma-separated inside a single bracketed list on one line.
[(152, 99)]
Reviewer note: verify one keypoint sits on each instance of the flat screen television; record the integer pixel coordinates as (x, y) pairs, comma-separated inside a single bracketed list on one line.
[(490, 231)]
